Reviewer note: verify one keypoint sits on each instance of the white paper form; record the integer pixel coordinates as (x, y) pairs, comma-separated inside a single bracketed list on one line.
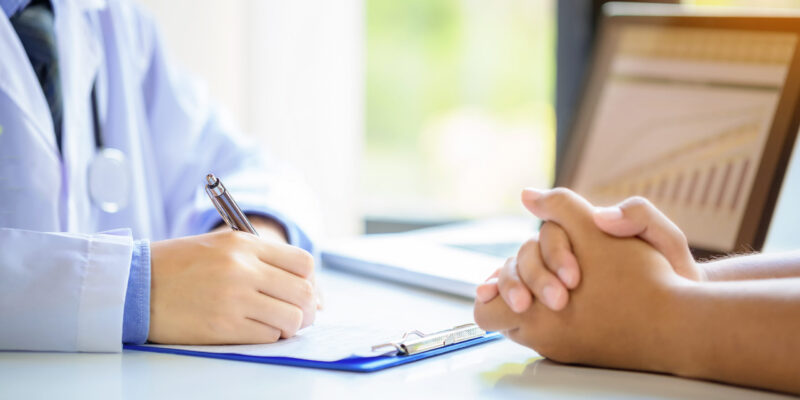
[(322, 341)]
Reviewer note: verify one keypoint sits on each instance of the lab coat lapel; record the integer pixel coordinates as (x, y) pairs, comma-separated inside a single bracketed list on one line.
[(80, 55), (19, 83)]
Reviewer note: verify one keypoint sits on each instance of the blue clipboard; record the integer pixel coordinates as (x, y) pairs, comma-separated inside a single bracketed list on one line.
[(352, 364)]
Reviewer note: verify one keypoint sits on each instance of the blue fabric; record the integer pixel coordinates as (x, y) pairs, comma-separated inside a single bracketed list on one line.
[(136, 317), (10, 7)]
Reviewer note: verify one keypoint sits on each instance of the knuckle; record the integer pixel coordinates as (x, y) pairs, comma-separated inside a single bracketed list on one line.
[(272, 336), (560, 191), (305, 290), (560, 194), (530, 275), (555, 244), (234, 238), (230, 260), (529, 247), (550, 235), (636, 203), (528, 257), (556, 197), (308, 317), (305, 263), (505, 280), (234, 269), (295, 320)]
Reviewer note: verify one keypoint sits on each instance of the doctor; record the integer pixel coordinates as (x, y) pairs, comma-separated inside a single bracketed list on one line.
[(104, 225)]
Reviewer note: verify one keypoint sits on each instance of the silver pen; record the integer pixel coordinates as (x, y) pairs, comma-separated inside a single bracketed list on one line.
[(227, 208)]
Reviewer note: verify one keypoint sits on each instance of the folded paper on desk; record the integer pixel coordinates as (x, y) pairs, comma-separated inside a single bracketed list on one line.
[(335, 346)]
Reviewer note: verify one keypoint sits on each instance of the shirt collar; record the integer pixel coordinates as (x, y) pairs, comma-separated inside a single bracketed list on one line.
[(10, 7)]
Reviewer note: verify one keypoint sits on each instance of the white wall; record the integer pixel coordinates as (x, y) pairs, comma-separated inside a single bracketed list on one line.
[(291, 73), (784, 229)]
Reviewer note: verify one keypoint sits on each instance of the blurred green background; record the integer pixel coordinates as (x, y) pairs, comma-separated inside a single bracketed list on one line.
[(459, 113)]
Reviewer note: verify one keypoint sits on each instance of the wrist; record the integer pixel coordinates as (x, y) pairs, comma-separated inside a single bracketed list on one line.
[(715, 271), (683, 349)]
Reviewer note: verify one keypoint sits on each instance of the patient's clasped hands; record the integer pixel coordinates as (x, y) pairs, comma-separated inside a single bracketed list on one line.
[(618, 287), (620, 297)]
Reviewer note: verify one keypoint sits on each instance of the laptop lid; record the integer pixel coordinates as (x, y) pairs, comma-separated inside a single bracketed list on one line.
[(695, 109)]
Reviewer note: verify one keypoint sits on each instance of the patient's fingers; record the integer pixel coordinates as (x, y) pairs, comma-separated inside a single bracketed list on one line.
[(496, 316), (537, 278), (636, 216), (557, 254), (512, 289), (563, 206), (487, 290)]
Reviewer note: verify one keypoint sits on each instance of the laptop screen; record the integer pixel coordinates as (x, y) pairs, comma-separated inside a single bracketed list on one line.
[(682, 117)]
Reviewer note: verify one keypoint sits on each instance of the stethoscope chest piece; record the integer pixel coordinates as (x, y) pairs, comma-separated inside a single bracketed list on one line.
[(109, 180)]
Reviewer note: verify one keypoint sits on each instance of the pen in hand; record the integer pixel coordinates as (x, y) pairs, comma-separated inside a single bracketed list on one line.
[(234, 217), (226, 206)]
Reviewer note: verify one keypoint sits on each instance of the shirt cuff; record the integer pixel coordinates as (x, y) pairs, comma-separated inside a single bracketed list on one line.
[(136, 316)]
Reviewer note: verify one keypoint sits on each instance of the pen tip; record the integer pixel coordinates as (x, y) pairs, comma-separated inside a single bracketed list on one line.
[(211, 179)]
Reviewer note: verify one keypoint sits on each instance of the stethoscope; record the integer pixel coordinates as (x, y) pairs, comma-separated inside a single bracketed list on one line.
[(109, 174)]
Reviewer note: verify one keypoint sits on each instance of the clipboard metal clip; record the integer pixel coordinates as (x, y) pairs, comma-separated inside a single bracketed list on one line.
[(414, 342)]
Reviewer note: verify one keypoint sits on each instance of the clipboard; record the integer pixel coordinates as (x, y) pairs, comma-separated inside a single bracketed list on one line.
[(412, 346)]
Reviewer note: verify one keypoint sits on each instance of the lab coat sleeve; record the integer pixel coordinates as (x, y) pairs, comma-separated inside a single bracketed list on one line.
[(62, 292), (191, 138)]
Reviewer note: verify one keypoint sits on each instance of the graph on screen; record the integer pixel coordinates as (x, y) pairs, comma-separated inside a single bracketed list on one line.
[(682, 119)]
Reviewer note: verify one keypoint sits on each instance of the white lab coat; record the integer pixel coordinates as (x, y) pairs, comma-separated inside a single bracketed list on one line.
[(62, 282)]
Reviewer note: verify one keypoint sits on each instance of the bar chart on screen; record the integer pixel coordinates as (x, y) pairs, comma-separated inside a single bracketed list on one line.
[(706, 179), (682, 120)]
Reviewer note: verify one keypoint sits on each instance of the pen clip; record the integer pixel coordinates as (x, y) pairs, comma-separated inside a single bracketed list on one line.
[(408, 345)]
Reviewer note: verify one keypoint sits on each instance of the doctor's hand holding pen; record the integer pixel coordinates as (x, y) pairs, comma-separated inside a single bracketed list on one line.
[(230, 287)]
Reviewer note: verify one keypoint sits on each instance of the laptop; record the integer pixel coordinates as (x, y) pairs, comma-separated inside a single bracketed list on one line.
[(694, 108)]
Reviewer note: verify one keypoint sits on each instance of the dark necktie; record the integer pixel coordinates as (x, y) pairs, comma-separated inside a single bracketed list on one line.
[(34, 26)]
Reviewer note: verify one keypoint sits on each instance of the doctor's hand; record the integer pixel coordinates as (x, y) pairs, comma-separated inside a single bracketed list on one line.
[(229, 288), (614, 317), (551, 282), (270, 229)]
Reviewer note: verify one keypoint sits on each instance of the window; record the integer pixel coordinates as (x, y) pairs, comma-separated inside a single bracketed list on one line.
[(459, 106)]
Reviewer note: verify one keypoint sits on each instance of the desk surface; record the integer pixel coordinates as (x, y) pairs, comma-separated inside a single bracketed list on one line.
[(500, 369)]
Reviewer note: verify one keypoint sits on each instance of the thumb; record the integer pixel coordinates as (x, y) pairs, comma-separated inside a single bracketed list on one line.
[(637, 216)]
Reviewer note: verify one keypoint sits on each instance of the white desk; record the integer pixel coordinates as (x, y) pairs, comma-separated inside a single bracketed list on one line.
[(498, 369)]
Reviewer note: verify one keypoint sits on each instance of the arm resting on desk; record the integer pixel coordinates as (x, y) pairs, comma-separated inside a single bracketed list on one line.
[(757, 266), (743, 332)]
